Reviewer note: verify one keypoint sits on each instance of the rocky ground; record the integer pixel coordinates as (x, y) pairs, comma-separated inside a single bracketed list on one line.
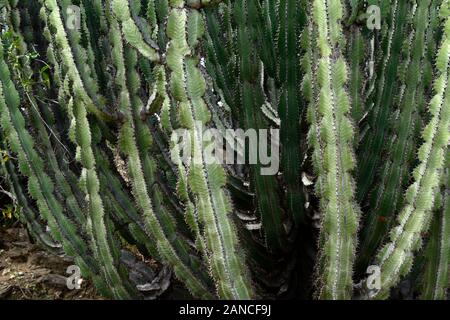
[(28, 272)]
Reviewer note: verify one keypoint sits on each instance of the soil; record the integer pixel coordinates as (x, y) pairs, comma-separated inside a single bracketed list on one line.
[(30, 273)]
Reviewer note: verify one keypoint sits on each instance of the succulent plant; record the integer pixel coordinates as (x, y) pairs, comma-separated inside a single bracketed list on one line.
[(94, 92)]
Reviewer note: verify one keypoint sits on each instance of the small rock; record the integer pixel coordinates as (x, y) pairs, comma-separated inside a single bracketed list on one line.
[(55, 280)]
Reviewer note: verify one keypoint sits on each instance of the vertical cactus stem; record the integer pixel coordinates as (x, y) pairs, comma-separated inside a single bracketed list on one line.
[(55, 19), (370, 150), (135, 169), (81, 134), (36, 118), (356, 56), (340, 213), (97, 217), (419, 197), (205, 181), (437, 254), (385, 198), (309, 90), (246, 104), (130, 30), (123, 208), (152, 18), (40, 186), (29, 215), (90, 56), (293, 21)]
